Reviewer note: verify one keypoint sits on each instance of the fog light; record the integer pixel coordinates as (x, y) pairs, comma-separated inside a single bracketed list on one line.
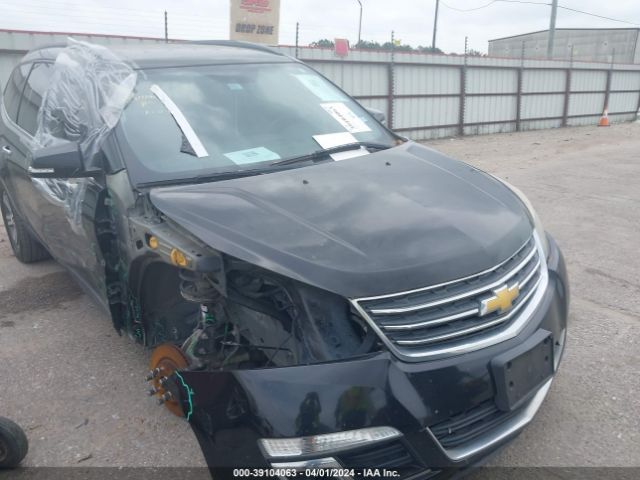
[(318, 445)]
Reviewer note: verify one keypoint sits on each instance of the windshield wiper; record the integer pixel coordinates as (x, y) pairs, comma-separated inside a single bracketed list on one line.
[(320, 154)]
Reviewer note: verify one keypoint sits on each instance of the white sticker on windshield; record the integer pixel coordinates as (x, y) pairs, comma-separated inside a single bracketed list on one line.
[(331, 140), (252, 155), (320, 88), (343, 115)]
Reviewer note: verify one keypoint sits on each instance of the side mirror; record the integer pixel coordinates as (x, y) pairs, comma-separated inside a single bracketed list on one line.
[(378, 115), (58, 161)]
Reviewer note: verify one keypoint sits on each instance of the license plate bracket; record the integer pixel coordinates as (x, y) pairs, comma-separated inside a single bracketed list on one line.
[(521, 371)]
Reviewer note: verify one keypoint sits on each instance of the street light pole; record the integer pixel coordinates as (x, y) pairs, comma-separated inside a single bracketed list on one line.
[(360, 24), (552, 29), (435, 25)]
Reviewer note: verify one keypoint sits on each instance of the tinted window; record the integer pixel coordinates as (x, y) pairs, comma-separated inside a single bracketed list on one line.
[(32, 96), (13, 89)]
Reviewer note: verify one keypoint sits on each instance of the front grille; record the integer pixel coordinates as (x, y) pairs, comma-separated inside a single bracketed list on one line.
[(446, 315), (466, 426)]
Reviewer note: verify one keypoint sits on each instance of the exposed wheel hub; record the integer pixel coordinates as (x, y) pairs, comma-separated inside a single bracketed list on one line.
[(165, 360)]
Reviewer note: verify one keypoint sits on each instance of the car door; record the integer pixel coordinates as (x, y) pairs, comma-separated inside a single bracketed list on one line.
[(15, 148), (62, 211)]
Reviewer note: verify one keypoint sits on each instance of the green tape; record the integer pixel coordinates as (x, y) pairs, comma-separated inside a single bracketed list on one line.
[(190, 394)]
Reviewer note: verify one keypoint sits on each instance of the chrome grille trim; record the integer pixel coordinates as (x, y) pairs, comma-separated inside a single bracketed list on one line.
[(462, 336), (482, 326), (470, 293), (413, 326)]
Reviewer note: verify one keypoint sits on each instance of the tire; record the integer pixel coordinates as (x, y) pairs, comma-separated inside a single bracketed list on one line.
[(13, 444), (26, 248)]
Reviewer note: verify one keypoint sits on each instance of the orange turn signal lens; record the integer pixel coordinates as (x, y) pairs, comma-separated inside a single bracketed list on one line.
[(178, 258), (153, 242)]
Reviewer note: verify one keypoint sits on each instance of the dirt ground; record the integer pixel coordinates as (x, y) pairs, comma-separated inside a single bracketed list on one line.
[(78, 388)]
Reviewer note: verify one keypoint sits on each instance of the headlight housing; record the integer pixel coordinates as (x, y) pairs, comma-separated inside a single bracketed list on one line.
[(537, 223)]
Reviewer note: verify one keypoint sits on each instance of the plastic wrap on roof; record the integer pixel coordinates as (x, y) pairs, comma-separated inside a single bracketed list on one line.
[(89, 89)]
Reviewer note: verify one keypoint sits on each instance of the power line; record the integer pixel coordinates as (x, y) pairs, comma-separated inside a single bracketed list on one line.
[(466, 10), (599, 16)]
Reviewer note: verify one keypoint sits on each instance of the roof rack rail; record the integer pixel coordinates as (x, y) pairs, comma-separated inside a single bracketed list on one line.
[(238, 44)]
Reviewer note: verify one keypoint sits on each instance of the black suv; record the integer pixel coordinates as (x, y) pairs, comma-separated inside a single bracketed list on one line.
[(318, 291)]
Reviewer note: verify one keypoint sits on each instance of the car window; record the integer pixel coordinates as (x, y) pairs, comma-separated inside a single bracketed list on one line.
[(243, 116), (13, 90), (32, 96)]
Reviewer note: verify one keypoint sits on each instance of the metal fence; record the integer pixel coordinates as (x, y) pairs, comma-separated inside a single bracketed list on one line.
[(430, 96)]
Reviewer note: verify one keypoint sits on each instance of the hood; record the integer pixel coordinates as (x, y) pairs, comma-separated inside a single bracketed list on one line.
[(395, 220)]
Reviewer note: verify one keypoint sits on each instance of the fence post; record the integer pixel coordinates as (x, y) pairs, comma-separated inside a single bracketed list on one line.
[(567, 95), (638, 108), (463, 89), (391, 88), (390, 95), (607, 93), (519, 100)]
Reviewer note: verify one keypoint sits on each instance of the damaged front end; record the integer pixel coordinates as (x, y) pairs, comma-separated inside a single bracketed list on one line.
[(216, 322)]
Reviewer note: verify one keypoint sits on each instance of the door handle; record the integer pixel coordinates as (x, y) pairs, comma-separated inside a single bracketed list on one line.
[(6, 149)]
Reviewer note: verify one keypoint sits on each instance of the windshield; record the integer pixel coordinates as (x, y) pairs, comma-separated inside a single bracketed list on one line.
[(198, 121)]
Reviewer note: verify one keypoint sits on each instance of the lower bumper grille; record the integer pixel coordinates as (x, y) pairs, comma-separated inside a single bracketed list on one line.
[(391, 456), (466, 426)]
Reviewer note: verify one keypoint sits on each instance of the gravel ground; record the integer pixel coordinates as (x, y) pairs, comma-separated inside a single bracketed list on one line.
[(77, 387)]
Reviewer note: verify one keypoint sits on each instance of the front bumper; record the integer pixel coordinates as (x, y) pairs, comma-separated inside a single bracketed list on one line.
[(232, 410)]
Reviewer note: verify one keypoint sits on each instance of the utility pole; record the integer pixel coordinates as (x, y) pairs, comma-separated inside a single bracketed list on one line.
[(297, 37), (360, 24), (552, 29), (166, 28), (435, 25)]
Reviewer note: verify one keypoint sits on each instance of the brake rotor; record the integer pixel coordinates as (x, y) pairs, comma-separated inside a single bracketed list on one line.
[(165, 360)]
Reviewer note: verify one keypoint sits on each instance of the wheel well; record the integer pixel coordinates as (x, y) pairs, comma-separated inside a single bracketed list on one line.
[(166, 315)]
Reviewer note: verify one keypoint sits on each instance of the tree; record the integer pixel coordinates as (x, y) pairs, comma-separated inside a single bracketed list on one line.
[(397, 46), (324, 43), (475, 53)]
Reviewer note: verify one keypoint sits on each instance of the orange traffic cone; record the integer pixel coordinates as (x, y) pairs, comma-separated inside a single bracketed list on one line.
[(604, 119)]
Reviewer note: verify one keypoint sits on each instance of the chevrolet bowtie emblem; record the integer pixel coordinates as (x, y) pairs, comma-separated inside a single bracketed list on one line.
[(502, 299)]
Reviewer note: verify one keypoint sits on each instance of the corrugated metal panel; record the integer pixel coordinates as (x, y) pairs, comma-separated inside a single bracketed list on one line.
[(357, 80), (543, 80), (491, 81), (585, 81), (586, 103), (423, 112), (539, 106), (623, 102), (625, 81), (489, 109), (376, 103), (418, 80)]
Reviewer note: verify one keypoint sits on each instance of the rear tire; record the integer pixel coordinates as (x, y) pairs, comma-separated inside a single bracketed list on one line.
[(26, 248), (13, 444)]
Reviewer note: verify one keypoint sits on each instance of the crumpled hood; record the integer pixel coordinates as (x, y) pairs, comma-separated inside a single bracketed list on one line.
[(391, 221)]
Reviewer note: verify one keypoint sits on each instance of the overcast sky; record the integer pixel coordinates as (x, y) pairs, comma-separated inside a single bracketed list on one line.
[(412, 20)]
